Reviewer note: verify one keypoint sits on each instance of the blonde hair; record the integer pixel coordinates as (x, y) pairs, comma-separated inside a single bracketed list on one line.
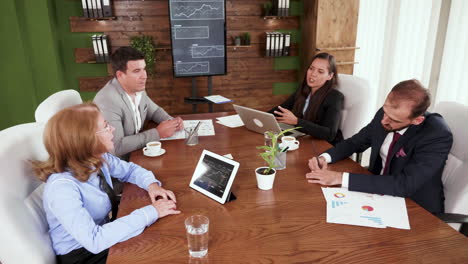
[(71, 141)]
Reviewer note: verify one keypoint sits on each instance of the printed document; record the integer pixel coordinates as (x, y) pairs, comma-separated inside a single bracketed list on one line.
[(365, 209), (218, 99), (230, 121), (206, 129)]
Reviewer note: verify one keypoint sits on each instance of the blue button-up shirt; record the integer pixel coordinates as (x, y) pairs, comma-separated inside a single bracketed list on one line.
[(77, 212)]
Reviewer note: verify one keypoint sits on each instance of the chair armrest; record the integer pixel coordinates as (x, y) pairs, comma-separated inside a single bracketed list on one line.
[(453, 218)]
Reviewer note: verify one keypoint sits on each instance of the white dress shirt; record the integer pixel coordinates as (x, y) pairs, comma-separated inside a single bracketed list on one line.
[(136, 110), (306, 104), (383, 155)]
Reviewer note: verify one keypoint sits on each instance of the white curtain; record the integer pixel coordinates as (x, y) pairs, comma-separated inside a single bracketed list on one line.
[(397, 40), (453, 81)]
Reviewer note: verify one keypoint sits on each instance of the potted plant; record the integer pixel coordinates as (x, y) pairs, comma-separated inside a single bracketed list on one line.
[(266, 175), (237, 41), (267, 8), (145, 45), (246, 38)]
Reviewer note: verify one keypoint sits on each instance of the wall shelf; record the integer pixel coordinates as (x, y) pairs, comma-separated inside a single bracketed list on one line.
[(100, 18), (278, 17)]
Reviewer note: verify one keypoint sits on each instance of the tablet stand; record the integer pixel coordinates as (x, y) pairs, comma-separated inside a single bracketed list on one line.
[(231, 197)]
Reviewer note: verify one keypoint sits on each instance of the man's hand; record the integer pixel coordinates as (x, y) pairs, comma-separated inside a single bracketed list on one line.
[(167, 128), (313, 164), (155, 191), (180, 123), (286, 116), (323, 176)]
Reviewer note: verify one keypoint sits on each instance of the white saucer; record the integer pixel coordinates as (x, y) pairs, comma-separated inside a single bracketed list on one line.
[(161, 152), (289, 149)]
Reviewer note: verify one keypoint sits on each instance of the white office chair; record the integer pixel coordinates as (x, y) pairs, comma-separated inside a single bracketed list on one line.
[(55, 103), (356, 105), (24, 236), (455, 175)]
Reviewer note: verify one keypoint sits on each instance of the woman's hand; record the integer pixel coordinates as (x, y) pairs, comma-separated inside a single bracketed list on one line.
[(286, 116), (165, 207), (155, 191)]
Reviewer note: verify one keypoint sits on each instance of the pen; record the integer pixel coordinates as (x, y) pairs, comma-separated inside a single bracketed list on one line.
[(284, 149), (318, 162)]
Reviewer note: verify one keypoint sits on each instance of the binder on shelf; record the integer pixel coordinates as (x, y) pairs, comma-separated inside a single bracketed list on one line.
[(100, 48), (107, 8), (287, 44), (281, 5), (89, 4), (268, 46), (286, 8), (277, 44), (96, 48), (98, 8), (85, 8), (272, 44), (105, 49), (93, 2), (281, 44)]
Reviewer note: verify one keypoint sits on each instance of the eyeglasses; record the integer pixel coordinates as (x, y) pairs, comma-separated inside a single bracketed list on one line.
[(106, 128)]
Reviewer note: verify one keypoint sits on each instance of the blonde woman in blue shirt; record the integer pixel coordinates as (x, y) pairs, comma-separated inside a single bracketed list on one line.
[(78, 175)]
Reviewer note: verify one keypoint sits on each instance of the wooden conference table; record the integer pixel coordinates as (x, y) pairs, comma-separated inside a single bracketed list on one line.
[(284, 225)]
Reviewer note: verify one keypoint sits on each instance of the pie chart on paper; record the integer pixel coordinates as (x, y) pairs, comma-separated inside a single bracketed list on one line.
[(367, 208)]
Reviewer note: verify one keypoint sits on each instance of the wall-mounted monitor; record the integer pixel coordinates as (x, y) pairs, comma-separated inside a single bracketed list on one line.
[(198, 37)]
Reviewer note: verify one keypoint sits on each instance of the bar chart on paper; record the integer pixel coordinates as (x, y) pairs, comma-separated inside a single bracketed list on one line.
[(377, 220), (338, 203)]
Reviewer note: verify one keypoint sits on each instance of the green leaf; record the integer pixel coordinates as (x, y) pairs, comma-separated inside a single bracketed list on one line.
[(145, 45)]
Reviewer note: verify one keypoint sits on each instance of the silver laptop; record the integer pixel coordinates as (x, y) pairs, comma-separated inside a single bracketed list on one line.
[(260, 121)]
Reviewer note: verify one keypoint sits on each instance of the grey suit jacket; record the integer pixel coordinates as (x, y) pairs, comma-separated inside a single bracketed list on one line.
[(116, 109)]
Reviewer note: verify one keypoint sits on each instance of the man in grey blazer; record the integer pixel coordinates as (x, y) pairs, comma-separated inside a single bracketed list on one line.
[(126, 106)]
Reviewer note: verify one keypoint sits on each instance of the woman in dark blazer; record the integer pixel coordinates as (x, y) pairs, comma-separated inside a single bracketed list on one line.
[(316, 106)]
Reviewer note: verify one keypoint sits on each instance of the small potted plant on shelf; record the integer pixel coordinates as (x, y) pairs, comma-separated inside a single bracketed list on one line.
[(246, 39), (266, 175), (145, 45), (237, 41), (267, 8)]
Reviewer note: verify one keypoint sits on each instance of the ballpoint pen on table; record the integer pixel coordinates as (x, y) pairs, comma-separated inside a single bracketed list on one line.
[(284, 149)]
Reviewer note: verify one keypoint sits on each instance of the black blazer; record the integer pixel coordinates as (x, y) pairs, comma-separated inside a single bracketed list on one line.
[(416, 162), (329, 117)]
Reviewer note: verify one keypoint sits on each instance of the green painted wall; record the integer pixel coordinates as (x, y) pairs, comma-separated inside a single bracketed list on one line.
[(37, 58), (29, 69)]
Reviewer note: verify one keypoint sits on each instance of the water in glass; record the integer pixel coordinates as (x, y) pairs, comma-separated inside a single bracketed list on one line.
[(198, 240)]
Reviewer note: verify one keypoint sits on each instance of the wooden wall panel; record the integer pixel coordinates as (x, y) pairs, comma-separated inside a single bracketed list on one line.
[(331, 26), (250, 76)]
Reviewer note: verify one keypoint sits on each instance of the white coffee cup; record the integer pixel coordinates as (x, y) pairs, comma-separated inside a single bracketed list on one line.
[(152, 148), (291, 142)]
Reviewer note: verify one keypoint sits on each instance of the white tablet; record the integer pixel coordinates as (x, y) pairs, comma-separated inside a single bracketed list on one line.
[(214, 176)]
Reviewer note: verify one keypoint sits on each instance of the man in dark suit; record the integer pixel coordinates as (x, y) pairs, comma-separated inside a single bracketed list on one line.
[(409, 147)]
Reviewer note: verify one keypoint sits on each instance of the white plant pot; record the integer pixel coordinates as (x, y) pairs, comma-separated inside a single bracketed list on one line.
[(265, 182)]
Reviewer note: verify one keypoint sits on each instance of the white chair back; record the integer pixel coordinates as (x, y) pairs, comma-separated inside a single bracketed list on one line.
[(356, 103), (24, 234), (455, 175), (55, 103)]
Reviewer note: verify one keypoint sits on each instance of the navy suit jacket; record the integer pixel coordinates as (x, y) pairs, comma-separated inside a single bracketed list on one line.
[(416, 162)]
